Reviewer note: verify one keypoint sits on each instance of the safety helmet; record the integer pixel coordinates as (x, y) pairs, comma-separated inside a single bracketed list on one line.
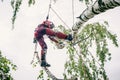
[(48, 24)]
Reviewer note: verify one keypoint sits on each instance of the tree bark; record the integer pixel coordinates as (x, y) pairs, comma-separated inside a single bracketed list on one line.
[(98, 7)]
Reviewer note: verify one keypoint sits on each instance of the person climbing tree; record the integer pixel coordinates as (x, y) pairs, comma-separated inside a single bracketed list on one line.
[(46, 29)]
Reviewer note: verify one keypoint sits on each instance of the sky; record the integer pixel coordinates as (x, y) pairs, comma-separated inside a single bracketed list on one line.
[(17, 44)]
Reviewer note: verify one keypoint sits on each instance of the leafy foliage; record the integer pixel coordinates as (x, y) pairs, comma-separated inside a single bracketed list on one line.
[(16, 6), (31, 2), (87, 58), (5, 67)]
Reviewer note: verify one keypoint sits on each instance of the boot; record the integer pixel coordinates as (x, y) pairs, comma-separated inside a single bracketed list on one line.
[(43, 61), (44, 64)]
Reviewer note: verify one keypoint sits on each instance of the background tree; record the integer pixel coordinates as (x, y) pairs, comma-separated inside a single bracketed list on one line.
[(5, 67)]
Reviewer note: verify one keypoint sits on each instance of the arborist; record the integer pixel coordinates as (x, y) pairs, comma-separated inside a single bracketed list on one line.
[(45, 28)]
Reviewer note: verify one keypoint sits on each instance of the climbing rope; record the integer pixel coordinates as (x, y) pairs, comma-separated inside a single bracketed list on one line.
[(73, 11), (60, 18), (74, 33), (49, 10), (34, 52)]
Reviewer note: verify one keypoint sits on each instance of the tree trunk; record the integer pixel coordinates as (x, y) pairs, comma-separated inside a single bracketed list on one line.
[(98, 7)]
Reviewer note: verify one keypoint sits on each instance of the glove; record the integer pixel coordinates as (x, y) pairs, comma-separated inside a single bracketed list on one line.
[(69, 37), (34, 40), (60, 45)]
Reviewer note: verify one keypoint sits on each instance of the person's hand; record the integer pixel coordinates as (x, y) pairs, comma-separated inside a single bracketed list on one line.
[(69, 37)]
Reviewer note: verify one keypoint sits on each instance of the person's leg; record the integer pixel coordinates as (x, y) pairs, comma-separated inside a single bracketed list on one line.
[(60, 35), (43, 53)]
